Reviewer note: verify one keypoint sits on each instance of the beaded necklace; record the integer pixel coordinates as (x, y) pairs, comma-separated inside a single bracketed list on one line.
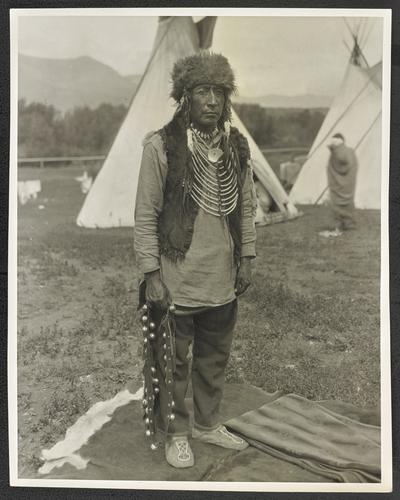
[(215, 186)]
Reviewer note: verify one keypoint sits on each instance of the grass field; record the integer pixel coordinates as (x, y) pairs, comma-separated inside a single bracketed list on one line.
[(309, 324)]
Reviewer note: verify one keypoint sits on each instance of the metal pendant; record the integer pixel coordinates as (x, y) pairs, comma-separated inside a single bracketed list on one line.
[(214, 154)]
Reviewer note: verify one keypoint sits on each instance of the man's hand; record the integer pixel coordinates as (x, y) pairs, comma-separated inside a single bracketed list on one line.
[(156, 291), (243, 279)]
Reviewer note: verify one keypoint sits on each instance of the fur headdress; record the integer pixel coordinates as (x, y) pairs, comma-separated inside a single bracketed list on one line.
[(203, 68)]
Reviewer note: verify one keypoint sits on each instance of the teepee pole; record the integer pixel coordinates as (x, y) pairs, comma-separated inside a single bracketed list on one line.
[(320, 196), (368, 130), (367, 32), (357, 48), (347, 46)]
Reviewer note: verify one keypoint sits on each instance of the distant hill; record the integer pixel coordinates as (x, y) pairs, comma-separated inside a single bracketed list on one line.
[(66, 83), (281, 101)]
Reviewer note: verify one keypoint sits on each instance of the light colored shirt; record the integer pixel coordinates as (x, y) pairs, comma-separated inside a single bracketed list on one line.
[(207, 274)]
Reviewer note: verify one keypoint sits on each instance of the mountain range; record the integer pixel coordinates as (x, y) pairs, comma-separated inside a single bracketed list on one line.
[(67, 83), (84, 81)]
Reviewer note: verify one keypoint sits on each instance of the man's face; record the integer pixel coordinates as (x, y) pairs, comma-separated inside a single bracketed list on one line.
[(207, 106)]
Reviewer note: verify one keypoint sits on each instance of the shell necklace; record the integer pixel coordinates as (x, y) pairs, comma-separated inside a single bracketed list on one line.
[(215, 187)]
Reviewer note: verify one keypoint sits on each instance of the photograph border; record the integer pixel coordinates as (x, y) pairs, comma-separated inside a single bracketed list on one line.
[(386, 451)]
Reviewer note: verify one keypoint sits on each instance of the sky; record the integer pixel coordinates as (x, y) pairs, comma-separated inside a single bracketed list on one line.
[(270, 55)]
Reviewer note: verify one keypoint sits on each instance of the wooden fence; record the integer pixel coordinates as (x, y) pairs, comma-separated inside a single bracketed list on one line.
[(42, 162), (300, 149), (60, 160)]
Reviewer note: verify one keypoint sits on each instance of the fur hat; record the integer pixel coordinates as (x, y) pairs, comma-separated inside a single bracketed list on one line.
[(202, 68)]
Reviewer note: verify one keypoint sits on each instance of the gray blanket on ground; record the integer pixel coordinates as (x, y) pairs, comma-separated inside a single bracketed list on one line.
[(312, 436), (293, 440)]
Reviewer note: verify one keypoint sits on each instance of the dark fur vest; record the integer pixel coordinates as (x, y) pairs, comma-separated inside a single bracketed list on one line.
[(176, 221)]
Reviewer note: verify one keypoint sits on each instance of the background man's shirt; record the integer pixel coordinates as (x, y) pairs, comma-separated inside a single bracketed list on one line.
[(342, 175)]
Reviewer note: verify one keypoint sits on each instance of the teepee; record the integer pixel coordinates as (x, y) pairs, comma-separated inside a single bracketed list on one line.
[(356, 113), (111, 200)]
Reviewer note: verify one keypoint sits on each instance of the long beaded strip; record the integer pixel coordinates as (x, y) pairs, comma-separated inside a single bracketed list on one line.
[(159, 361), (214, 187)]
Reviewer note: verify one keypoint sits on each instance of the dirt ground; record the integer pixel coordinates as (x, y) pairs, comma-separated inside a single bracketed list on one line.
[(309, 324)]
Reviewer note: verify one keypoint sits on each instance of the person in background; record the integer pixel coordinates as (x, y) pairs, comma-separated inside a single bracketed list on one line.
[(194, 241), (342, 176)]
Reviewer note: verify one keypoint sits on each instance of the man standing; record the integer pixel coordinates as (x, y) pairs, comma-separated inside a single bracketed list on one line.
[(194, 240), (342, 176)]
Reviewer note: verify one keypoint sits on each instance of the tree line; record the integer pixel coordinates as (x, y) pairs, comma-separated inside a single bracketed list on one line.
[(44, 131), (281, 127)]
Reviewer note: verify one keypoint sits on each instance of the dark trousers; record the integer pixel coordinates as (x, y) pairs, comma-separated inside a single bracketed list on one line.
[(210, 333)]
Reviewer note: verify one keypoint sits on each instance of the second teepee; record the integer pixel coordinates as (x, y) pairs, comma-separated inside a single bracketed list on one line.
[(356, 113)]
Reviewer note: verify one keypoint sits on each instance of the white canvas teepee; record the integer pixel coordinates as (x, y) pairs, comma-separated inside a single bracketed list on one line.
[(111, 200), (356, 113)]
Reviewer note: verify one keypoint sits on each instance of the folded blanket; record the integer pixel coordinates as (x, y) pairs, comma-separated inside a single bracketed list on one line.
[(314, 437)]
